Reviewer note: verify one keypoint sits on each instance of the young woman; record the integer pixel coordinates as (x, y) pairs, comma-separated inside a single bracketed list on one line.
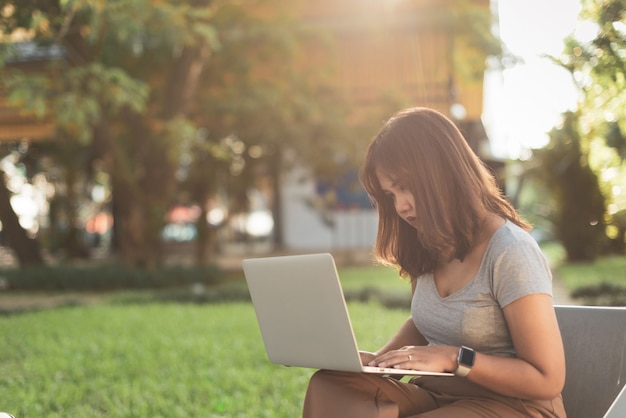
[(482, 305)]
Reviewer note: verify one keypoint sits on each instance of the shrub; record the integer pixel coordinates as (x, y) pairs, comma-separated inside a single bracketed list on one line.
[(602, 294), (105, 277)]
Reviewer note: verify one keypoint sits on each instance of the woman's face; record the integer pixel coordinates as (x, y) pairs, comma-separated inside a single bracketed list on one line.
[(402, 198)]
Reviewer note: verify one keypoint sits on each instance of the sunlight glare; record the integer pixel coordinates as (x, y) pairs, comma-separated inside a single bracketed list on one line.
[(524, 102)]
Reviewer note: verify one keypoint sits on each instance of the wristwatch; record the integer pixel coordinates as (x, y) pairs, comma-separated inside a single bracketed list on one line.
[(466, 361)]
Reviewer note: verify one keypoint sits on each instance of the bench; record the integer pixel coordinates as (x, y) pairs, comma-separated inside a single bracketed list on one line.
[(595, 353)]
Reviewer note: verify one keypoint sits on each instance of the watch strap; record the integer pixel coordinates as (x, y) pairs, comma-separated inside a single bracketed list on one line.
[(465, 361)]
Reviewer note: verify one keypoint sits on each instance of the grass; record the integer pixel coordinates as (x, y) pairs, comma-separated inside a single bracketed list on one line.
[(601, 282), (383, 278), (610, 269), (607, 269), (155, 360)]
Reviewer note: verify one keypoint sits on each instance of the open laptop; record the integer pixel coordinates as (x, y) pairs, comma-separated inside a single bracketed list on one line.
[(303, 316)]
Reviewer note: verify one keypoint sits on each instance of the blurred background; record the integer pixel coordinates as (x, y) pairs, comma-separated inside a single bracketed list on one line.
[(147, 146), (152, 133)]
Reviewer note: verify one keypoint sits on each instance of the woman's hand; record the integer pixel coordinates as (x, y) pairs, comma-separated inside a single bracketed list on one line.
[(367, 357), (427, 358)]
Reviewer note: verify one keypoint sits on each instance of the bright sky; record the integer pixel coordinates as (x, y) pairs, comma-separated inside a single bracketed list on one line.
[(524, 102)]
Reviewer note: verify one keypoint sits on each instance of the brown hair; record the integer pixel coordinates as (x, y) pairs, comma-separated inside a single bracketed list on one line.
[(453, 191)]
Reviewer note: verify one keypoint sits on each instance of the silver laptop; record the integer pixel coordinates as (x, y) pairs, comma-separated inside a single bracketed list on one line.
[(303, 316)]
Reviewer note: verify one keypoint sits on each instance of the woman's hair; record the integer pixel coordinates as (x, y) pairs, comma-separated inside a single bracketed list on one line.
[(453, 191)]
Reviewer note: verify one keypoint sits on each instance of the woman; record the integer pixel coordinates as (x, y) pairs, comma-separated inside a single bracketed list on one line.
[(482, 305)]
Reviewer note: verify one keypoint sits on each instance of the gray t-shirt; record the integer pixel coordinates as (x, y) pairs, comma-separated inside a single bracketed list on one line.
[(513, 266)]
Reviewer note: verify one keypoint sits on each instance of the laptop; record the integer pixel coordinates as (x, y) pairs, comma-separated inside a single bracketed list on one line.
[(302, 314)]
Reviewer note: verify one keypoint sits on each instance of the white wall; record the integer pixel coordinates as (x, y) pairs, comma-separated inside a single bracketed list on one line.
[(304, 226)]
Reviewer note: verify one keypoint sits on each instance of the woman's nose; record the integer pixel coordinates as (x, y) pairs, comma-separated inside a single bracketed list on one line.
[(402, 205)]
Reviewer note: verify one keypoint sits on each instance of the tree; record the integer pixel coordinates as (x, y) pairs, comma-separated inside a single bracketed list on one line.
[(578, 218), (220, 99), (126, 89), (127, 94), (598, 67), (259, 103)]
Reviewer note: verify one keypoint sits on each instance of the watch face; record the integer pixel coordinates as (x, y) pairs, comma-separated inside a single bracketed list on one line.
[(466, 357)]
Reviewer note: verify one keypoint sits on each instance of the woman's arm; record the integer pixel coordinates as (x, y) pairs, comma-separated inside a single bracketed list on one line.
[(538, 371)]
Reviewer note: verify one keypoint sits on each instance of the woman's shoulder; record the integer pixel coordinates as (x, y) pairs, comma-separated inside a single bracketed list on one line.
[(510, 233), (513, 246), (512, 241)]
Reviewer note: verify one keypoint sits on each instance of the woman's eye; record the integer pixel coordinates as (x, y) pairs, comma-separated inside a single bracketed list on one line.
[(401, 188)]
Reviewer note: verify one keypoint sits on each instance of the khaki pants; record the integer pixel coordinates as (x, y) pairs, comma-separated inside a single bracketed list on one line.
[(334, 394)]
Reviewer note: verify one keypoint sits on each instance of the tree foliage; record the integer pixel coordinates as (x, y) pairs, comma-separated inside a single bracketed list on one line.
[(124, 89), (169, 98), (578, 218), (586, 156), (175, 101)]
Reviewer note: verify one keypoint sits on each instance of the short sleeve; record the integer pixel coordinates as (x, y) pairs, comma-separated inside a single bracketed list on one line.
[(520, 270)]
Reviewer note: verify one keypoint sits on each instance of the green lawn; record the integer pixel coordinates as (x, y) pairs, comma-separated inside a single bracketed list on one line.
[(155, 360), (383, 278), (610, 269), (601, 282)]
